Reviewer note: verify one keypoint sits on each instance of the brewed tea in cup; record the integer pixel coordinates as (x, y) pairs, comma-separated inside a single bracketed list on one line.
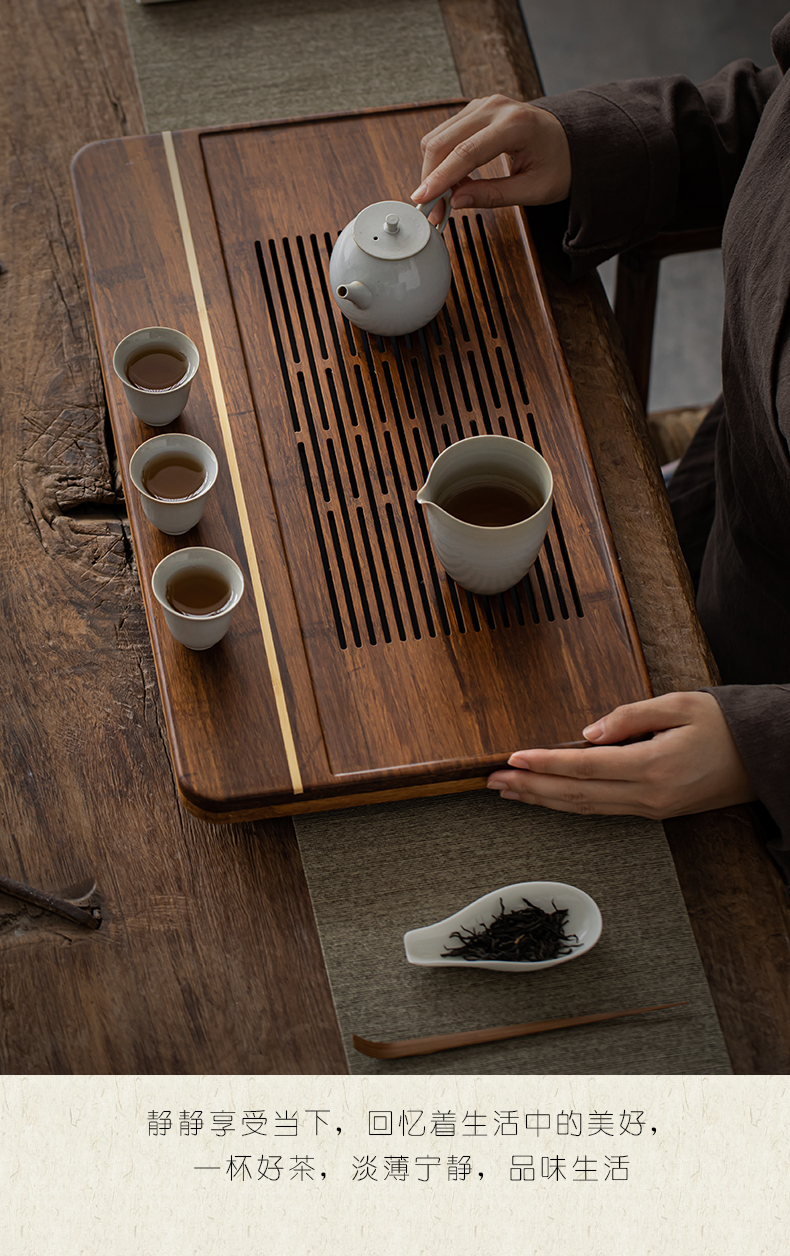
[(198, 590), (488, 501), (173, 475), (156, 366)]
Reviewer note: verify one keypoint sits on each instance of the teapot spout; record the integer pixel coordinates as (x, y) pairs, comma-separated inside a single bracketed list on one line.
[(356, 293)]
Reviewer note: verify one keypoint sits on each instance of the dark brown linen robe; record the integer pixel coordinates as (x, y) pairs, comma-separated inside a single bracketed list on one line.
[(659, 155)]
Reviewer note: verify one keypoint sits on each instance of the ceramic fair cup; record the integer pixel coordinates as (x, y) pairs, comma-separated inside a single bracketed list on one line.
[(160, 407), (487, 560), (175, 516), (197, 632)]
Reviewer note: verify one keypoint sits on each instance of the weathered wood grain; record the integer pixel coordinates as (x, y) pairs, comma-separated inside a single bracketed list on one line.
[(737, 905), (718, 856), (659, 587), (491, 48), (207, 959)]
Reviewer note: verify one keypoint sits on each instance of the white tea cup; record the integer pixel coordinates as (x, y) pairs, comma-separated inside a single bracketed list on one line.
[(156, 406), (197, 631), (488, 559), (173, 515)]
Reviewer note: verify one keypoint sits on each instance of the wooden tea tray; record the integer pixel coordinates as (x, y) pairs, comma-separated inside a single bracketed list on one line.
[(354, 670)]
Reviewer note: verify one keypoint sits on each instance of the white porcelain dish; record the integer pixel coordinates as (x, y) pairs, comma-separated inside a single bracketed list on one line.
[(425, 946)]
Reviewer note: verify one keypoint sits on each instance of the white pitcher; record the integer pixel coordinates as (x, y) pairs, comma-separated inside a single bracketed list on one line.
[(487, 559)]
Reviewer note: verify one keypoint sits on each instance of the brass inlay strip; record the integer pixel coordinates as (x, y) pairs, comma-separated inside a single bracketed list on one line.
[(230, 451)]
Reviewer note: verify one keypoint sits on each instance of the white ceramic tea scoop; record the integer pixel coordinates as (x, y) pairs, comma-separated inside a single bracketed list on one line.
[(426, 946)]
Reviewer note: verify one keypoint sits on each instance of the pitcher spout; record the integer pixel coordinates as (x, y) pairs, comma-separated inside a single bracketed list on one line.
[(426, 495), (425, 499)]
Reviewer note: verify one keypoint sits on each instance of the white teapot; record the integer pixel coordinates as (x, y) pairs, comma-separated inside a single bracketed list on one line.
[(390, 271)]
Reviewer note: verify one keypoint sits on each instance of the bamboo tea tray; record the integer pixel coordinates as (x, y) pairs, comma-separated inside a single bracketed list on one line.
[(354, 670)]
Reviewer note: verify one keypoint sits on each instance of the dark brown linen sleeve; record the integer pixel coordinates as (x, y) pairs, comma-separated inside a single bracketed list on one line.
[(758, 716), (648, 155)]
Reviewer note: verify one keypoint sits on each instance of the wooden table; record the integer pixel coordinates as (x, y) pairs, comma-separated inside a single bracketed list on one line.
[(208, 959)]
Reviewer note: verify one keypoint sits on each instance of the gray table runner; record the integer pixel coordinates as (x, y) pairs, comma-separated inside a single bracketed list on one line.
[(207, 62), (375, 872)]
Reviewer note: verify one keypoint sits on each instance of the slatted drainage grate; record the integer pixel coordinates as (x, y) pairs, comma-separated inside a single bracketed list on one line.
[(370, 414)]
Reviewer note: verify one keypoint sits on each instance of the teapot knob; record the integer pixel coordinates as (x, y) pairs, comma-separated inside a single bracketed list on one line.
[(391, 224)]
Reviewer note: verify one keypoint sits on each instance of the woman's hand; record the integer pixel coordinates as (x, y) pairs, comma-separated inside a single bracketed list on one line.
[(540, 162), (691, 764)]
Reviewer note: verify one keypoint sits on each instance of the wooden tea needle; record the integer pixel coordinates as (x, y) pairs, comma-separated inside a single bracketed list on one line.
[(471, 1037)]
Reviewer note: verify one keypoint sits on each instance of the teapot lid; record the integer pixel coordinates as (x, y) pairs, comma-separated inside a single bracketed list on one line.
[(391, 229)]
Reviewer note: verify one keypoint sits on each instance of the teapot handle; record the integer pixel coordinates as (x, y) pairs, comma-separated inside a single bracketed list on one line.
[(428, 206)]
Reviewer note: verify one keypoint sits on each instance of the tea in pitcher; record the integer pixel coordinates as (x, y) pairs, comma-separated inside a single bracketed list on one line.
[(492, 505)]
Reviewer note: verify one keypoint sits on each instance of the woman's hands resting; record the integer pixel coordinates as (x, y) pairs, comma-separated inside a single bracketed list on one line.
[(691, 764), (540, 162)]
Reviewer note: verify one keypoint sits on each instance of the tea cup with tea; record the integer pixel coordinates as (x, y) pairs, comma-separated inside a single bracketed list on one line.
[(156, 366), (198, 590), (173, 475), (488, 501)]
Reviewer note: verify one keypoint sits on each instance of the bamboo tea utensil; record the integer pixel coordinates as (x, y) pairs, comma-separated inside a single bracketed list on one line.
[(471, 1037), (48, 902)]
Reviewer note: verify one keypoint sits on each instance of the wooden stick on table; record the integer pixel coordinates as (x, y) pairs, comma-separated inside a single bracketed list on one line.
[(473, 1037), (60, 906)]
